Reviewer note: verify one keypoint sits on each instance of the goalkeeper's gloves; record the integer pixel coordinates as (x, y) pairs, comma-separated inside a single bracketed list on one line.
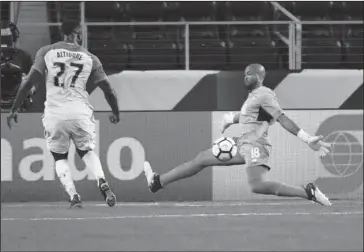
[(228, 120), (315, 143)]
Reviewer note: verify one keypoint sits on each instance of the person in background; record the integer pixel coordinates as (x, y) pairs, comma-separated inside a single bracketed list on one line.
[(15, 65)]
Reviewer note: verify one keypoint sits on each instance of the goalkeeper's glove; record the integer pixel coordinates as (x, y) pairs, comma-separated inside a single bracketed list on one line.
[(227, 120), (315, 143)]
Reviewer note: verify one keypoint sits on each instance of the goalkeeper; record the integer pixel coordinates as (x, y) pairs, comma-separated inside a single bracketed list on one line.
[(260, 110)]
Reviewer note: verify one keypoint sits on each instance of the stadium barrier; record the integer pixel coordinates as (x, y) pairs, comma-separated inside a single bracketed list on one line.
[(168, 139)]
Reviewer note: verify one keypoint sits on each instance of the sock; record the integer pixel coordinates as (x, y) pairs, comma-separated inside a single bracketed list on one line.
[(279, 189), (182, 171), (64, 175), (92, 161)]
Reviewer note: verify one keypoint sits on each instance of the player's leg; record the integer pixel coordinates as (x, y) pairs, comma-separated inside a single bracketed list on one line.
[(201, 161), (260, 186), (58, 144), (257, 157), (64, 175), (92, 161), (83, 133)]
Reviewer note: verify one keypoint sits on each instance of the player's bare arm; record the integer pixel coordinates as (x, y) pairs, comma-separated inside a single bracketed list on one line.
[(288, 124), (99, 79), (111, 99), (228, 120), (269, 103), (314, 142)]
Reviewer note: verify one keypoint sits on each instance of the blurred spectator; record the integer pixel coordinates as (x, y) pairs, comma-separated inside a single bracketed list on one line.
[(15, 65)]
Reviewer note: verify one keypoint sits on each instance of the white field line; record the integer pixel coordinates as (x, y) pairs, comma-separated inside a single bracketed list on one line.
[(216, 204), (169, 216)]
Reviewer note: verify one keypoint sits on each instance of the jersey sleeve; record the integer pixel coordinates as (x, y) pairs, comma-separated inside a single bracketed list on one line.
[(39, 61), (271, 106), (97, 73)]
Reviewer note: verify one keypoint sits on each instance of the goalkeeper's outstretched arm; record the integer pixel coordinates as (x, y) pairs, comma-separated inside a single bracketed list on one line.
[(288, 124), (314, 142), (292, 127)]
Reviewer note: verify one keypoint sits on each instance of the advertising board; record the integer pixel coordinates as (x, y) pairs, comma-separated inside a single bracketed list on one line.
[(166, 139)]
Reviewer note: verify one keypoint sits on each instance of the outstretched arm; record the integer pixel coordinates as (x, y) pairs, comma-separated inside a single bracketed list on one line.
[(270, 105), (288, 124), (315, 142), (292, 127)]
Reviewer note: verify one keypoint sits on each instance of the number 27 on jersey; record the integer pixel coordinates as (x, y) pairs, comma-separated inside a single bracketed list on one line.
[(60, 76)]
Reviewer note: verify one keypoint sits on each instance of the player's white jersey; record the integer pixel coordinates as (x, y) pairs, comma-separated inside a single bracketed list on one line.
[(67, 75), (68, 68)]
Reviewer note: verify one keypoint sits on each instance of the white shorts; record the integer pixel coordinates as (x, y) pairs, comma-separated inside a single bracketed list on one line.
[(59, 133)]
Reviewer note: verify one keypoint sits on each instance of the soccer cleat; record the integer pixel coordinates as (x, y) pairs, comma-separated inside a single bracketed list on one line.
[(108, 194), (153, 179), (316, 195), (75, 202)]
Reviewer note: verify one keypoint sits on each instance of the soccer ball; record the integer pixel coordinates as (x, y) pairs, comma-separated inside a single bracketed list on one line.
[(224, 149)]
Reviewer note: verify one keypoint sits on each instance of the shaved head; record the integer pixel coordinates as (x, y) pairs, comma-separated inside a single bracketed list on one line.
[(256, 69), (254, 76)]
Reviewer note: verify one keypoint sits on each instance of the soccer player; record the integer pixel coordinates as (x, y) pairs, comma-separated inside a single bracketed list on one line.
[(260, 110), (68, 115)]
